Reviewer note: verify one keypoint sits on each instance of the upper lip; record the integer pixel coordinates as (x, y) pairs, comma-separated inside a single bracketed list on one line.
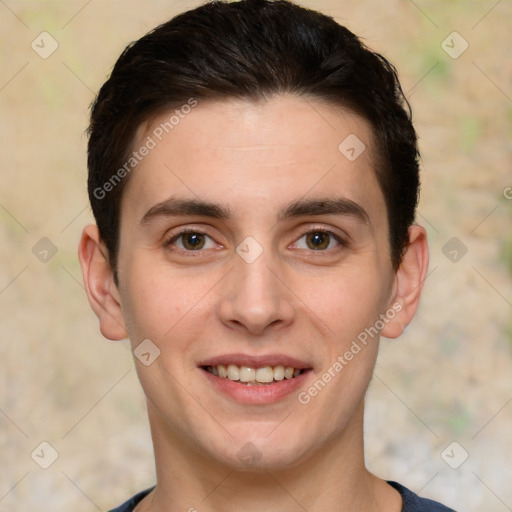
[(253, 361)]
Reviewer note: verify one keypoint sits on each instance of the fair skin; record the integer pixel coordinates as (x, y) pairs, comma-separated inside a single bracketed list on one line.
[(302, 302)]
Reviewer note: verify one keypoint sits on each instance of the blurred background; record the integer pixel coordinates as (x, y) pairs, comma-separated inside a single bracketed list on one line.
[(439, 414)]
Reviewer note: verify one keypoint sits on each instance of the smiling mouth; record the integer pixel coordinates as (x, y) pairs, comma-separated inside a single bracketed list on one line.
[(262, 376)]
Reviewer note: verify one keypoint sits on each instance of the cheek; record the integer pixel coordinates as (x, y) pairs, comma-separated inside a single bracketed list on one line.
[(347, 301), (156, 301), (350, 303)]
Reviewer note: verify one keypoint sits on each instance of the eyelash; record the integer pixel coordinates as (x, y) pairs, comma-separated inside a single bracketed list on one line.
[(177, 236), (342, 242)]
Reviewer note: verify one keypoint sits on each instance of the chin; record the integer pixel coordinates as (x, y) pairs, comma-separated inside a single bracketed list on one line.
[(258, 453)]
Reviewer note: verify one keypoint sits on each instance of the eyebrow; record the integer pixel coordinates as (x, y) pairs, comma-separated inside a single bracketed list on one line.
[(327, 206), (174, 207)]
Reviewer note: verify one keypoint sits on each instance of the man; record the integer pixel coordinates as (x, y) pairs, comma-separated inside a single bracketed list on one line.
[(253, 171)]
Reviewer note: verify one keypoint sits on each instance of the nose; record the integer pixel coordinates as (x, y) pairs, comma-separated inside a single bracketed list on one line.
[(255, 298)]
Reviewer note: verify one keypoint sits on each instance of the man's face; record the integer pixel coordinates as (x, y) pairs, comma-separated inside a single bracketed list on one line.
[(248, 238)]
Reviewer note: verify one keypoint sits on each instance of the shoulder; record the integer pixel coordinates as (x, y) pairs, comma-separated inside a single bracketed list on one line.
[(129, 505), (413, 503)]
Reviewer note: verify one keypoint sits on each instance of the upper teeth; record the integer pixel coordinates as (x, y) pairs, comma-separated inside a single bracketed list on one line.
[(264, 374)]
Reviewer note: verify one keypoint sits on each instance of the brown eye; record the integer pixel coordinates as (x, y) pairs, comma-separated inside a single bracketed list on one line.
[(192, 241), (318, 240)]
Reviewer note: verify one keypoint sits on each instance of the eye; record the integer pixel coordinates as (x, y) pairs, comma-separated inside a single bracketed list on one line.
[(318, 241), (191, 241)]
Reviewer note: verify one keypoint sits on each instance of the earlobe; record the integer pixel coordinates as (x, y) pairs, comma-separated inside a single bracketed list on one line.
[(99, 284), (408, 283)]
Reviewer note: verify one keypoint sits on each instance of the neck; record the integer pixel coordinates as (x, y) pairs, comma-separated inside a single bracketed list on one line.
[(334, 478)]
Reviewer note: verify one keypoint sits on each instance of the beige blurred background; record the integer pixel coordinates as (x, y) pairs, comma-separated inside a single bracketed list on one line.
[(448, 379)]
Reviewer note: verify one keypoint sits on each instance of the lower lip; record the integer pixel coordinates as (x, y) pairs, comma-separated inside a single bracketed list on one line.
[(264, 394)]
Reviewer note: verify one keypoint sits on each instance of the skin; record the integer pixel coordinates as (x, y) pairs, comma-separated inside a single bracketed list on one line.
[(255, 160)]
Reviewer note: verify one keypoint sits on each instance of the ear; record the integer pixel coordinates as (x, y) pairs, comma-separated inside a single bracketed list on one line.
[(99, 283), (408, 283)]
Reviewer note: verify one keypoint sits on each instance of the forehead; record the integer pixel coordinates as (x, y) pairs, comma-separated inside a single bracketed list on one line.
[(243, 152)]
